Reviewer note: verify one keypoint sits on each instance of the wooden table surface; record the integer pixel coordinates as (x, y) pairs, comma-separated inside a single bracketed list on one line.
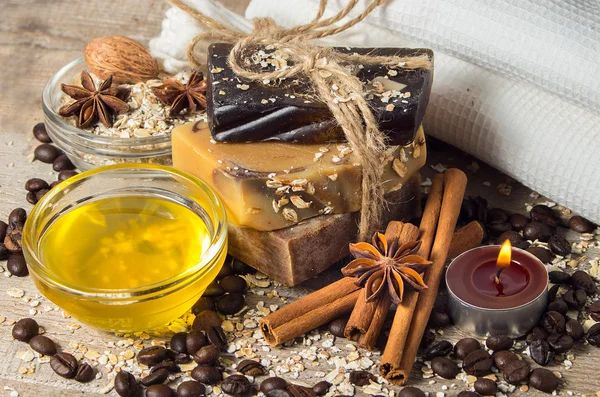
[(37, 37)]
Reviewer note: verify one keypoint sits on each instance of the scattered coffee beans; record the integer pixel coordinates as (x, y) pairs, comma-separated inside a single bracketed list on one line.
[(337, 327), (273, 383), (518, 221), (560, 306), (467, 393), (581, 279), (502, 358), (593, 335), (168, 365), (217, 337), (206, 320), (439, 319), (17, 266), (64, 364), (540, 352), (543, 380), (574, 329), (152, 355), (195, 340), (516, 371), (126, 385), (43, 345), (66, 174), (241, 268), (485, 387), (553, 322), (465, 346), (581, 225), (559, 245), (40, 133), (25, 329), (321, 388), (541, 253), (207, 355), (444, 367), (178, 342), (214, 289), (16, 218), (233, 284), (35, 184), (537, 231), (478, 363), (155, 378), (560, 343), (4, 252), (559, 277), (251, 368), (427, 339), (440, 349), (236, 385), (85, 373), (499, 343), (46, 153), (204, 303), (191, 388), (361, 378), (62, 163), (595, 311), (230, 303), (159, 391), (411, 391), (207, 374)]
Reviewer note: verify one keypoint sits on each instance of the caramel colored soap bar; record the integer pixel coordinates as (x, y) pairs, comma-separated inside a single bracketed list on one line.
[(299, 252), (273, 185)]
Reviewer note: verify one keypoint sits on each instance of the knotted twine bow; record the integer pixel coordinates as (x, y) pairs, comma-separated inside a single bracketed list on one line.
[(332, 78)]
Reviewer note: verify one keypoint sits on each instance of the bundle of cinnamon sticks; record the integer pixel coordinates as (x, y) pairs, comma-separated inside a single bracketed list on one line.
[(438, 239)]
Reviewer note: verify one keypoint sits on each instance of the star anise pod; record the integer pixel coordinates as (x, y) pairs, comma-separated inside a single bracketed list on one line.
[(387, 265), (183, 96), (92, 105)]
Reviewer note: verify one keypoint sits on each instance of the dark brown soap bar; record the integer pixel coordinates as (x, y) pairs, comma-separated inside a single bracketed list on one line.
[(240, 110)]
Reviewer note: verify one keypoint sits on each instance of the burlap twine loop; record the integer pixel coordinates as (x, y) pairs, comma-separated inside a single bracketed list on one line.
[(332, 76)]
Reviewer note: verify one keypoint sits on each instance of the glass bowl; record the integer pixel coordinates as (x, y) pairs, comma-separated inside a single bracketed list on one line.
[(128, 309), (87, 150)]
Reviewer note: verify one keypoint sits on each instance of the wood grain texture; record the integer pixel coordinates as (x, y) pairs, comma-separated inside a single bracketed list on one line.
[(37, 37)]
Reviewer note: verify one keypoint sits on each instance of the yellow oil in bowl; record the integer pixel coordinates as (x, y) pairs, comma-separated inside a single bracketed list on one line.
[(126, 259)]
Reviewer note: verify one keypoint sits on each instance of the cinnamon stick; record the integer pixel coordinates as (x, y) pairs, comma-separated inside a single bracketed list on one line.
[(465, 238), (310, 312), (394, 349), (455, 182)]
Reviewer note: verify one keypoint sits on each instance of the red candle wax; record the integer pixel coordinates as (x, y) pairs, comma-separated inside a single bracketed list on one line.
[(513, 279)]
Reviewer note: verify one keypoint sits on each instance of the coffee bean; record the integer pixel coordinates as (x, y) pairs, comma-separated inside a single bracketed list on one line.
[(439, 319), (337, 327), (230, 303), (553, 322), (40, 133), (17, 218), (46, 153), (62, 163), (178, 342), (236, 385), (159, 390), (595, 311), (207, 374), (241, 268), (553, 292), (17, 266), (43, 345), (85, 373), (30, 197), (66, 174), (537, 231), (543, 380), (518, 221), (152, 355), (560, 343), (465, 346), (205, 320), (251, 368), (411, 391), (497, 228), (53, 184), (217, 337), (214, 289), (516, 371), (560, 306), (281, 393), (40, 194), (440, 349), (467, 393), (444, 367), (575, 299), (502, 358), (182, 358), (581, 225), (593, 335), (125, 384), (321, 388), (191, 388), (544, 214), (64, 364), (195, 340), (204, 303), (427, 340), (155, 378), (515, 238), (477, 363), (361, 378), (273, 383), (3, 229), (35, 184), (540, 333), (580, 297), (485, 387), (207, 355), (541, 253), (540, 352), (581, 279), (574, 329), (559, 245), (25, 329), (499, 343), (497, 215), (233, 284), (4, 252), (167, 365), (14, 238), (559, 277)]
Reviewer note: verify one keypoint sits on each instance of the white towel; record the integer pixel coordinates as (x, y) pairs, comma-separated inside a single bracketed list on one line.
[(502, 90)]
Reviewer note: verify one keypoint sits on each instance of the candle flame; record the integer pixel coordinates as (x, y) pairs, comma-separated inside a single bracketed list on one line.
[(504, 256)]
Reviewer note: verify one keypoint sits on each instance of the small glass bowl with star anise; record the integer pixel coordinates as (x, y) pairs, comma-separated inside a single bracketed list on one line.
[(97, 122)]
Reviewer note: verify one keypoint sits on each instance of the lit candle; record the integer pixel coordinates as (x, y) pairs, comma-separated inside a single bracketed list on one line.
[(497, 290)]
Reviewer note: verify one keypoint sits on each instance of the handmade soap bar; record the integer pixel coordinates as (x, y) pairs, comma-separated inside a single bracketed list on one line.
[(299, 252), (241, 110), (272, 185)]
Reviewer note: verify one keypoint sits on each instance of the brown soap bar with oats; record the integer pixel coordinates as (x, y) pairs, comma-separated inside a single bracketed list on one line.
[(300, 252), (241, 110), (274, 185)]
